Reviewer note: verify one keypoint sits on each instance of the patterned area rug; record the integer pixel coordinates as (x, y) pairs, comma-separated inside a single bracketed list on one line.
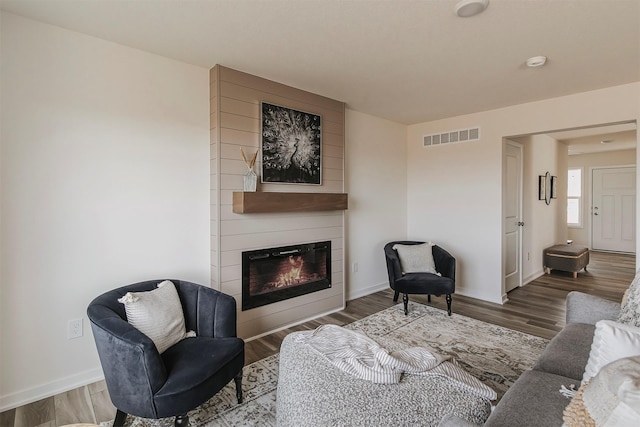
[(493, 354)]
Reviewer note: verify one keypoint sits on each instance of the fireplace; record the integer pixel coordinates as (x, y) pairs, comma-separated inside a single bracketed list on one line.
[(276, 274)]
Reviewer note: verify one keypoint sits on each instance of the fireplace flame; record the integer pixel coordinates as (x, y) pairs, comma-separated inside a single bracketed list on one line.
[(292, 276)]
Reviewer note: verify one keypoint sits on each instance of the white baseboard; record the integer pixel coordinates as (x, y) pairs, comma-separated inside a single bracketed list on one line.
[(43, 391), (359, 293), (533, 276)]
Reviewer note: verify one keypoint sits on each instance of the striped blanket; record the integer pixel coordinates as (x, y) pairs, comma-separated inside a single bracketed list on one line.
[(360, 356)]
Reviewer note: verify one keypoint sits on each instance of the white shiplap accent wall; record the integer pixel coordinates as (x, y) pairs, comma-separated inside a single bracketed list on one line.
[(235, 123)]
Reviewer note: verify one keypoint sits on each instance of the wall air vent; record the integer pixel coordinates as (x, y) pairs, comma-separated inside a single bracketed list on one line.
[(451, 137)]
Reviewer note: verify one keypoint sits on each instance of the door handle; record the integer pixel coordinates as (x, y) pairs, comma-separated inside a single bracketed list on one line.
[(595, 213)]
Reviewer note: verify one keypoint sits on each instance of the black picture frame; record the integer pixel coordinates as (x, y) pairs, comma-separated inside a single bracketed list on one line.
[(291, 145)]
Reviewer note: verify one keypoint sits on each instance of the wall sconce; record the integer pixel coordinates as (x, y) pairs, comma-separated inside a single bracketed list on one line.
[(547, 187)]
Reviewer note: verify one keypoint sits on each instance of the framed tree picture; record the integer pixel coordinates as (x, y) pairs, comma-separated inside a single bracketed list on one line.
[(291, 145)]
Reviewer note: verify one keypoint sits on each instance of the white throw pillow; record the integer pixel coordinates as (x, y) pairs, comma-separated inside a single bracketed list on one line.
[(612, 341), (416, 258), (157, 314)]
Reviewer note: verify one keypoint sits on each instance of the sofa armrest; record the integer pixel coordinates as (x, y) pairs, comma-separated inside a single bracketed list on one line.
[(585, 308)]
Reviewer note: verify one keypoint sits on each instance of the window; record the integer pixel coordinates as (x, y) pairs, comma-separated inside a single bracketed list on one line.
[(574, 198)]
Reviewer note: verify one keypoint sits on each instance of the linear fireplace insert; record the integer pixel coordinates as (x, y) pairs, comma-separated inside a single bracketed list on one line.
[(276, 274)]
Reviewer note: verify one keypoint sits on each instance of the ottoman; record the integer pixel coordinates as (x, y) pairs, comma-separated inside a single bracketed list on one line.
[(566, 258), (313, 392)]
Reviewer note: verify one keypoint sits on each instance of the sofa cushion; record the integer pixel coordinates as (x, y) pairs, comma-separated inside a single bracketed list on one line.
[(196, 366), (533, 400), (414, 283), (568, 352)]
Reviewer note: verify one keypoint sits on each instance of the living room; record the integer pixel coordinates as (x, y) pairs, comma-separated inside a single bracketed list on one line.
[(106, 179)]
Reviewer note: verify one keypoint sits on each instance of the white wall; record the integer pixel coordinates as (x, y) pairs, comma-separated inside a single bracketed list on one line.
[(582, 235), (105, 181), (376, 182), (545, 225), (454, 192)]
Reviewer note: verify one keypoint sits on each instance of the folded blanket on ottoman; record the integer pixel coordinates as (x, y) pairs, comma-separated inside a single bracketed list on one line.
[(334, 376)]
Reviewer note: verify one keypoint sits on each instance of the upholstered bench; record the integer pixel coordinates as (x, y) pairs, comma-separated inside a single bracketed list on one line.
[(566, 258), (313, 392)]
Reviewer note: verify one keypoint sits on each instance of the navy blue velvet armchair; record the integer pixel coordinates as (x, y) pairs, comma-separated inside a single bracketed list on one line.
[(145, 383)]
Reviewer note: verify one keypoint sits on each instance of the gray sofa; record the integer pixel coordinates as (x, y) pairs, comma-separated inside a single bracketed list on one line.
[(534, 399)]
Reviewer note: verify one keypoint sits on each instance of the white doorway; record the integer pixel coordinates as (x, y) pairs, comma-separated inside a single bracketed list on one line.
[(512, 219), (613, 209)]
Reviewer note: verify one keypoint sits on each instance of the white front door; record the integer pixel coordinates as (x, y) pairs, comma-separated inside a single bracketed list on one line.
[(512, 216), (613, 210)]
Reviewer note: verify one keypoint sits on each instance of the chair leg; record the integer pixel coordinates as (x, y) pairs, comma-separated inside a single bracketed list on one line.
[(405, 300), (182, 421), (395, 296), (449, 304), (238, 380), (120, 417), (429, 298)]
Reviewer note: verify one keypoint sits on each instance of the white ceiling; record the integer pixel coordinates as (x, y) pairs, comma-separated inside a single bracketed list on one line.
[(405, 60), (598, 139)]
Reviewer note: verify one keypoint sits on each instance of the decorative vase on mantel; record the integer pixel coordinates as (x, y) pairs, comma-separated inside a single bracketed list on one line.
[(250, 180)]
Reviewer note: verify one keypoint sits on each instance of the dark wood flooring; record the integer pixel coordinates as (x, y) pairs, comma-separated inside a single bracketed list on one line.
[(537, 308)]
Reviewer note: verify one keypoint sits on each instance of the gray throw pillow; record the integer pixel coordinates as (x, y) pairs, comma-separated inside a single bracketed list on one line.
[(416, 258)]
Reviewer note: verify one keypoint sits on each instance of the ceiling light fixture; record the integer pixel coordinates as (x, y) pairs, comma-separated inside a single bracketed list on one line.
[(606, 141), (467, 8), (536, 61)]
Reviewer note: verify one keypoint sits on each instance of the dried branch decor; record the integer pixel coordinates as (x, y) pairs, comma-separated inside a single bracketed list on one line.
[(253, 159)]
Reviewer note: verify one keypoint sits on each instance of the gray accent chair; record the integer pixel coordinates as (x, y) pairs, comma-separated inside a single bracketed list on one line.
[(421, 283), (145, 383)]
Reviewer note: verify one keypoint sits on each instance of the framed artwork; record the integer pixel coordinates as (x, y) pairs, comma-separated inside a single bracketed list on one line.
[(291, 145)]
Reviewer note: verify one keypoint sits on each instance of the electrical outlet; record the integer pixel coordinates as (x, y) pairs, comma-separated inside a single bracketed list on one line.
[(354, 267), (74, 328)]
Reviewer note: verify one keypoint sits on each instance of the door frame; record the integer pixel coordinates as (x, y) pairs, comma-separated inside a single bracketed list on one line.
[(519, 146)]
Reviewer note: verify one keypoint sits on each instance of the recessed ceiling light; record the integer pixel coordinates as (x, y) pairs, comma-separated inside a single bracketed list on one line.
[(536, 61), (467, 8)]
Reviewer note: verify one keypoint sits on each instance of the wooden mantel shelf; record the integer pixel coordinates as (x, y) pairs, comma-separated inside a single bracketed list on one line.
[(263, 202)]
